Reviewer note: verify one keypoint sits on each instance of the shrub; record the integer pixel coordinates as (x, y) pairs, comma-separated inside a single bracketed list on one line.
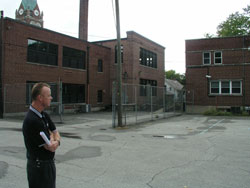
[(214, 112)]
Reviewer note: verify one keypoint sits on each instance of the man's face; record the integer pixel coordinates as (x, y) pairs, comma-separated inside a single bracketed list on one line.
[(46, 97)]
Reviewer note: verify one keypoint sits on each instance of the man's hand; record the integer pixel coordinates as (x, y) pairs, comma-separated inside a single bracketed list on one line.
[(53, 146)]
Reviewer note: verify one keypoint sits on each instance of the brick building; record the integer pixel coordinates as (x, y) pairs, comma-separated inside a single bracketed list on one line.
[(30, 54), (218, 74), (142, 60), (85, 70)]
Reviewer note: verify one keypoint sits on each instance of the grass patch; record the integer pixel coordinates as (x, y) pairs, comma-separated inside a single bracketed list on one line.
[(214, 112)]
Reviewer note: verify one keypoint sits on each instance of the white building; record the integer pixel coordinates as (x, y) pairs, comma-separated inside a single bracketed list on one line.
[(173, 87)]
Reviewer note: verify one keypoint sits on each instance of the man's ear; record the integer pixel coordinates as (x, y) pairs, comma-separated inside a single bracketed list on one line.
[(39, 97)]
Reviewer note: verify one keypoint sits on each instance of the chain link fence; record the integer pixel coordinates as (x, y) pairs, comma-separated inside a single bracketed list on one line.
[(17, 99), (141, 103)]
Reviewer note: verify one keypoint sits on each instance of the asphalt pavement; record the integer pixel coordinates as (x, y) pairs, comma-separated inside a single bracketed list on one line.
[(187, 151)]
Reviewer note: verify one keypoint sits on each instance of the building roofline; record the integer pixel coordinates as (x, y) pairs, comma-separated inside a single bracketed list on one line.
[(175, 84), (48, 30), (132, 32), (109, 40), (218, 38)]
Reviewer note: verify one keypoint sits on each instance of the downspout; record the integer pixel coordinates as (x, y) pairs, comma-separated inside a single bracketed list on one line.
[(208, 81), (244, 75), (88, 100), (1, 65)]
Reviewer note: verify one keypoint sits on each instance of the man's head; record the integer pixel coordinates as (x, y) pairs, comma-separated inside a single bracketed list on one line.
[(41, 93)]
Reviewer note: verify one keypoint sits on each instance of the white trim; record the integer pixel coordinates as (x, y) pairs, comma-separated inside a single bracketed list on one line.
[(218, 58), (230, 87), (204, 58)]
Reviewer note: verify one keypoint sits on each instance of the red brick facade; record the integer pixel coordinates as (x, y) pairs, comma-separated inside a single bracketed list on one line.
[(131, 66), (17, 70), (233, 68)]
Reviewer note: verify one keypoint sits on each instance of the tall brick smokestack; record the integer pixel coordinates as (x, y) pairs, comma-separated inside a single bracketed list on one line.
[(83, 19)]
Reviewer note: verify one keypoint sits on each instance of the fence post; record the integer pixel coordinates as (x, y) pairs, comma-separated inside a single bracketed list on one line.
[(174, 102), (151, 98), (113, 104), (60, 100), (164, 112), (135, 105), (4, 99), (125, 102)]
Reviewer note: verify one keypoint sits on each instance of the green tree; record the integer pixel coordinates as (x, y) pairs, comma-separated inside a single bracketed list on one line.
[(172, 75), (208, 35), (237, 24)]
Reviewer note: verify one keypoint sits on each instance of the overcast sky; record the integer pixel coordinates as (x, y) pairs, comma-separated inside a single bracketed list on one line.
[(169, 23)]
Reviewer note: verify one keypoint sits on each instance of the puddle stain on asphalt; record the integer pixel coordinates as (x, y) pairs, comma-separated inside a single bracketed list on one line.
[(12, 151), (169, 136), (3, 169), (104, 138), (10, 129), (70, 135), (80, 153), (76, 153), (212, 128), (63, 134)]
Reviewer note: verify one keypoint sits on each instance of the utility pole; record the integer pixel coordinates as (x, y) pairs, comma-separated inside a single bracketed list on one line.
[(119, 65)]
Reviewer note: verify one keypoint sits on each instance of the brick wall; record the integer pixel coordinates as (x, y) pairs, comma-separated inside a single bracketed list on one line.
[(16, 69), (235, 66), (131, 55)]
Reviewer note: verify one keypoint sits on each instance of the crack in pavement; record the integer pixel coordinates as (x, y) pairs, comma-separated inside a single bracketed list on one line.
[(164, 170)]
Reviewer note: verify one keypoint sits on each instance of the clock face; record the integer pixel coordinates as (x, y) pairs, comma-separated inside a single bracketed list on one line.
[(36, 12), (21, 11)]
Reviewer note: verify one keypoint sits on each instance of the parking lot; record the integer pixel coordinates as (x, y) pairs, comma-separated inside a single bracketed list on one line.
[(187, 151)]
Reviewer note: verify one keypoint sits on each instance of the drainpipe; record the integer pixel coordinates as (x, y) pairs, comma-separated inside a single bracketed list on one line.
[(244, 76), (208, 81), (1, 65), (88, 100)]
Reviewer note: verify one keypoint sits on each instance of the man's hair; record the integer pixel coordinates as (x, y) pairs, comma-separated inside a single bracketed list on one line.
[(37, 89)]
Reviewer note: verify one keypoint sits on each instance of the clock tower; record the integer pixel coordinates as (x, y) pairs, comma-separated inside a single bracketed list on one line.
[(30, 13)]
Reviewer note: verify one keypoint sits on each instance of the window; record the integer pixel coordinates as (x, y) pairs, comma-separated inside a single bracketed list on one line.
[(143, 87), (146, 86), (215, 87), (99, 96), (100, 66), (73, 93), (236, 87), (148, 58), (226, 87), (217, 57), (29, 86), (117, 52), (206, 58), (74, 58), (42, 52)]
